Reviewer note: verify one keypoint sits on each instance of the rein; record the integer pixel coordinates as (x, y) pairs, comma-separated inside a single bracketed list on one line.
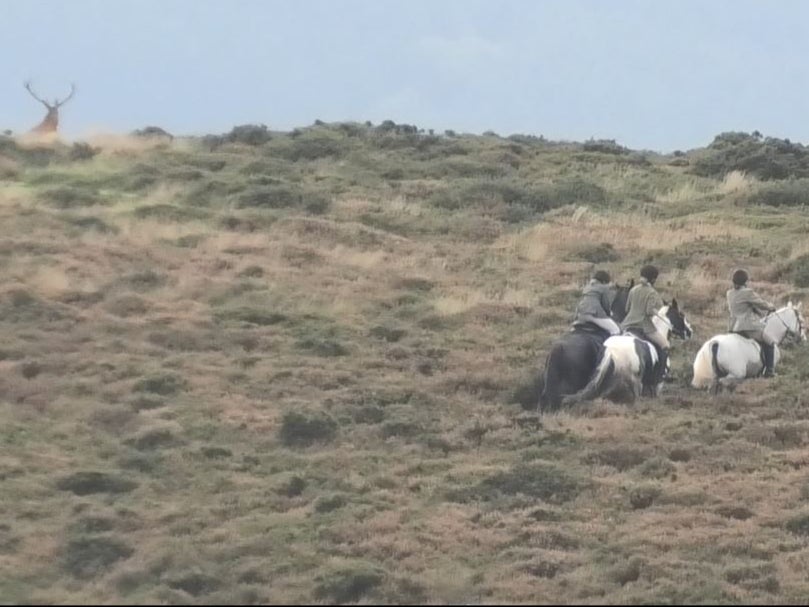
[(786, 326)]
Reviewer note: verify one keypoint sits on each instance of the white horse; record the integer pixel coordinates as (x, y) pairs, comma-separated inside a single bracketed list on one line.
[(627, 365), (727, 359)]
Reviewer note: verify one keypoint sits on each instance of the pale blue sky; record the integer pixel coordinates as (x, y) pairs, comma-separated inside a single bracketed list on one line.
[(653, 74)]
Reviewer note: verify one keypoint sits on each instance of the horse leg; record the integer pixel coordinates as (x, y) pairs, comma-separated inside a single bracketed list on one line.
[(716, 387), (550, 398)]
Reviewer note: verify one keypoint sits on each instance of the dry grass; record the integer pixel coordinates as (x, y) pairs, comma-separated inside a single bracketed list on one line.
[(736, 182), (629, 233), (176, 366)]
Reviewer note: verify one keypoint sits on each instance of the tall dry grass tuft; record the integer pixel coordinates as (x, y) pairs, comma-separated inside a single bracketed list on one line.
[(461, 300), (736, 182), (626, 233), (50, 282), (688, 191)]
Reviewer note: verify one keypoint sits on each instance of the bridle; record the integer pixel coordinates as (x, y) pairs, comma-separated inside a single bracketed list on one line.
[(670, 325), (796, 333)]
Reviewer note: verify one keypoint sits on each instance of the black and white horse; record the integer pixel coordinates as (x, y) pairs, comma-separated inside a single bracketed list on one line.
[(625, 369), (727, 359)]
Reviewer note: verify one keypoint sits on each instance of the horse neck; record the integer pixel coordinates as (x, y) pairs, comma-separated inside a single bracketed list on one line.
[(776, 326), (661, 322)]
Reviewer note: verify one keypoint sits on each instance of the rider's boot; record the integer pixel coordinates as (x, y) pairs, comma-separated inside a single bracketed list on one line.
[(769, 360), (662, 365)]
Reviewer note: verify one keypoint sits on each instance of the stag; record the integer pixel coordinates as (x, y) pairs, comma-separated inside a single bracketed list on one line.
[(51, 121)]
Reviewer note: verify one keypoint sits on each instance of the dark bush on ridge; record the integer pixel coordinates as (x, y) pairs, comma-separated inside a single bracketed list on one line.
[(765, 158)]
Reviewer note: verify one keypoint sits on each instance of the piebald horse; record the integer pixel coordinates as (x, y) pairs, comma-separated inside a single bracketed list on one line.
[(626, 369), (726, 360)]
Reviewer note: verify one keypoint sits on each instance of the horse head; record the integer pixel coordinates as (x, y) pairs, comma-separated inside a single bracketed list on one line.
[(794, 321), (678, 324)]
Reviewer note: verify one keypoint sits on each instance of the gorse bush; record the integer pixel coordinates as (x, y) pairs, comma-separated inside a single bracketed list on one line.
[(534, 198), (605, 146), (67, 197), (249, 134), (282, 197), (83, 151), (799, 270), (786, 193), (764, 158), (302, 430)]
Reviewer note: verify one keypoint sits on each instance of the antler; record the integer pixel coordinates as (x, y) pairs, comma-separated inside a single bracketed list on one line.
[(27, 85), (66, 99)]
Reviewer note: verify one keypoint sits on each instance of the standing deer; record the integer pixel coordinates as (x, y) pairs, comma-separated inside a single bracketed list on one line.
[(51, 121)]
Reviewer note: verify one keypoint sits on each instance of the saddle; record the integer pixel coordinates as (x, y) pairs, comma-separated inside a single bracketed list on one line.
[(761, 354), (590, 329)]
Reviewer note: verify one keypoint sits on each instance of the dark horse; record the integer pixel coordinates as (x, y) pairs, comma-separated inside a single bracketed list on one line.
[(574, 356)]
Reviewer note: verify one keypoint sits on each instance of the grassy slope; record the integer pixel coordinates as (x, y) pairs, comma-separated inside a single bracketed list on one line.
[(287, 374)]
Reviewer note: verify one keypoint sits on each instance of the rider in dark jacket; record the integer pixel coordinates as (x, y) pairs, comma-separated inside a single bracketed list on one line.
[(595, 304), (746, 312)]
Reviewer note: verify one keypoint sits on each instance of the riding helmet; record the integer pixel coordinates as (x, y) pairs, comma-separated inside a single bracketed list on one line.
[(602, 276), (740, 278), (649, 272)]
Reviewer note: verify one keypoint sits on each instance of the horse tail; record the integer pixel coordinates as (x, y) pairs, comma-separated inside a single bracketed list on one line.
[(550, 398), (706, 366), (603, 374), (718, 371)]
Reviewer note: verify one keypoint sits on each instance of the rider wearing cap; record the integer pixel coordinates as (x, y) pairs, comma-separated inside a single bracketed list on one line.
[(642, 306), (595, 305), (746, 312)]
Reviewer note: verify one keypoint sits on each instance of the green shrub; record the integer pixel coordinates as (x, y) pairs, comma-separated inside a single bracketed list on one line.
[(605, 146), (83, 151), (330, 503), (620, 458), (254, 316), (248, 134), (799, 269), (144, 280), (643, 496), (165, 384), (541, 481), (799, 525), (87, 222), (301, 430), (169, 212), (323, 347), (86, 483), (86, 557), (787, 193), (153, 132), (127, 305), (68, 197), (764, 158), (195, 583), (294, 487), (603, 252), (154, 438), (348, 584), (536, 198)]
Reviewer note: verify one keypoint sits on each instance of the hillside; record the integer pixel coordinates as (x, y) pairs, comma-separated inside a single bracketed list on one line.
[(297, 367)]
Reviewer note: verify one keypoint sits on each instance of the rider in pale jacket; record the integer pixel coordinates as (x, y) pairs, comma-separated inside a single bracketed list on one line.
[(747, 310), (596, 303), (642, 306)]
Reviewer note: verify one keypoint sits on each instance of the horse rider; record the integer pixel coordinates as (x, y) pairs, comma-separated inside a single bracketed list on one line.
[(642, 306), (747, 310), (595, 304)]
